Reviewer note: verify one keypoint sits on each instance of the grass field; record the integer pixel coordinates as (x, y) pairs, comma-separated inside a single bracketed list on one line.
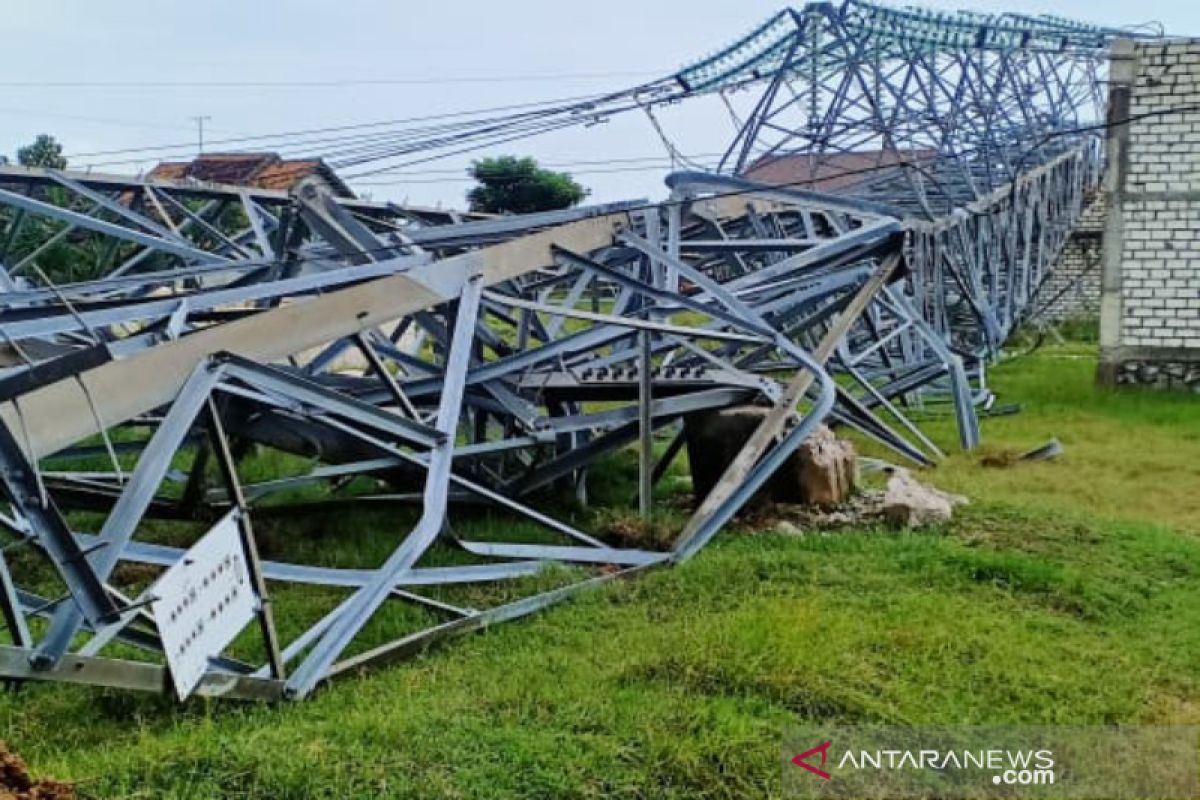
[(1067, 592)]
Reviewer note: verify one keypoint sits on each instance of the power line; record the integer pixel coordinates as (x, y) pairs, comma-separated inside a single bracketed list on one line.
[(527, 126), (190, 146), (450, 138), (657, 159), (340, 82), (453, 133), (467, 178)]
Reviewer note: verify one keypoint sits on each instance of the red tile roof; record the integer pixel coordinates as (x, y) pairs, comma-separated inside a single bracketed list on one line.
[(260, 170), (831, 172), (283, 175)]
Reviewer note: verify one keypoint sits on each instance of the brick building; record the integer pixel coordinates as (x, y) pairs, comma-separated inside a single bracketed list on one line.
[(1150, 304), (1073, 288)]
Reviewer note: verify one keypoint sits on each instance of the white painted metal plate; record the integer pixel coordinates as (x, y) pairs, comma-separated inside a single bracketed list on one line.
[(203, 602)]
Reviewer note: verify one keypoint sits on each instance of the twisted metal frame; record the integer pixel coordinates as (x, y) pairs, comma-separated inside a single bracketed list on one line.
[(494, 363)]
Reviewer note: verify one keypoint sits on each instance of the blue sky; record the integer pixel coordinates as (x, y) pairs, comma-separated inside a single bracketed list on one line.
[(474, 55)]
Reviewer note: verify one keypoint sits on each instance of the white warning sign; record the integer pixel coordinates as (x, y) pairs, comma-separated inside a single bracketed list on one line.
[(203, 602)]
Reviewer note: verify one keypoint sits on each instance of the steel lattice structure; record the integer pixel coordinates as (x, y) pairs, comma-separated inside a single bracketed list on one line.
[(492, 363)]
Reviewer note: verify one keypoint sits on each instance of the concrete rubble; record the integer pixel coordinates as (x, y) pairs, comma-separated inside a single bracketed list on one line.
[(826, 469), (908, 503)]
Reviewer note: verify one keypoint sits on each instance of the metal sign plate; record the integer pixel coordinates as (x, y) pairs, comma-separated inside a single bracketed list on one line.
[(203, 602)]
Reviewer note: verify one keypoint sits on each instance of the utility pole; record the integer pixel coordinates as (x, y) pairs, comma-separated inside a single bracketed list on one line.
[(200, 131)]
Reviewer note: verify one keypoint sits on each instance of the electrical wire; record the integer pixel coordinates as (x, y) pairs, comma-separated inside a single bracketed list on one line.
[(469, 179), (190, 146), (337, 82)]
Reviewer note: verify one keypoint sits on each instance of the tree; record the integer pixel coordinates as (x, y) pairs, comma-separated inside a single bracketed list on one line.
[(44, 152), (54, 252), (511, 185)]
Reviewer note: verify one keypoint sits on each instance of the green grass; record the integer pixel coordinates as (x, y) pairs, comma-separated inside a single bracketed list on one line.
[(1067, 592)]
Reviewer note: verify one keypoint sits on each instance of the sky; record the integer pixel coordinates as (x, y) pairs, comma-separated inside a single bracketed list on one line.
[(104, 76)]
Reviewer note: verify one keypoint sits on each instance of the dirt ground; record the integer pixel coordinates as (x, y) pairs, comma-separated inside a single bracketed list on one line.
[(17, 784)]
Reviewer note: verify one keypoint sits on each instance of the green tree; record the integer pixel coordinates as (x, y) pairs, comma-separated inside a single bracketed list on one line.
[(511, 185), (73, 256), (45, 151)]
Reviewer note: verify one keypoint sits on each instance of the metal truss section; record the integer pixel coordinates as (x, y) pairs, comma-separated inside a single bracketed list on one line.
[(460, 376), (939, 109), (450, 369)]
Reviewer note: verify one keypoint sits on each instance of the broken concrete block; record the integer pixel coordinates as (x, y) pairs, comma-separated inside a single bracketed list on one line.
[(821, 472), (908, 503), (826, 468)]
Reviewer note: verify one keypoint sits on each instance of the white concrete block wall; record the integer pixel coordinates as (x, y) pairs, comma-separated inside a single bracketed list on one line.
[(1161, 274), (1151, 331)]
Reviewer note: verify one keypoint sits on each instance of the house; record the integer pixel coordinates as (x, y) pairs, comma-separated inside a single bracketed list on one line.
[(259, 170), (835, 173)]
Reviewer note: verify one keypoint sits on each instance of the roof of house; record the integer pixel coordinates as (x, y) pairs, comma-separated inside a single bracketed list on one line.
[(260, 170), (833, 172)]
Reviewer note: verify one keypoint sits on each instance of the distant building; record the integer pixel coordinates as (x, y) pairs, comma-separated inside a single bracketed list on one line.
[(259, 170), (835, 173), (1072, 288)]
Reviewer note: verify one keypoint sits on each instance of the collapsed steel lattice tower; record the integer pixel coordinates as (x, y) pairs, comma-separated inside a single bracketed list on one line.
[(484, 366)]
